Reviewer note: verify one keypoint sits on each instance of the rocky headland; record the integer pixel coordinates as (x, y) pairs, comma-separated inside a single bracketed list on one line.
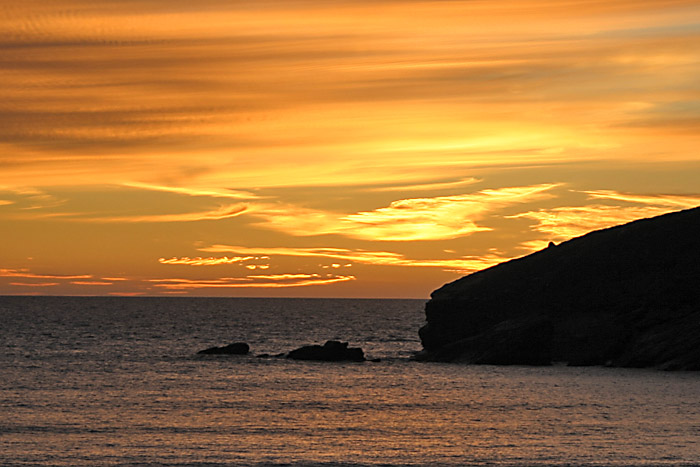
[(626, 296)]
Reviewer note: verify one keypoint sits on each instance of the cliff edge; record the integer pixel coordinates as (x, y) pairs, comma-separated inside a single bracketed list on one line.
[(624, 296)]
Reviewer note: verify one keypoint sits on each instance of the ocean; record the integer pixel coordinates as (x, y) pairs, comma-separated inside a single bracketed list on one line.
[(96, 381)]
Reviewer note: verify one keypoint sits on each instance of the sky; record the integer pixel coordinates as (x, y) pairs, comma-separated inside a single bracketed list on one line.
[(298, 148)]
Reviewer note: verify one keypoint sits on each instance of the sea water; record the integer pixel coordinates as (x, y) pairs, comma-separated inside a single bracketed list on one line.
[(117, 381)]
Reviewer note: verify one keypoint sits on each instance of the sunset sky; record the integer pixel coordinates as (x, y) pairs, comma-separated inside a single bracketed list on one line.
[(331, 148)]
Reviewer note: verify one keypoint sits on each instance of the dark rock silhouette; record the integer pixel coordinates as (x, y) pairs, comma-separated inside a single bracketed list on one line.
[(625, 296), (237, 348), (331, 351)]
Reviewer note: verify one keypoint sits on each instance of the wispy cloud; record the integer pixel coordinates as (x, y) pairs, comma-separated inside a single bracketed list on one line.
[(90, 283), (671, 201), (439, 218), (464, 264), (29, 198), (25, 273), (572, 221), (566, 222), (284, 277), (253, 281), (434, 186), (34, 284), (56, 279), (223, 212), (199, 261), (191, 191), (193, 93)]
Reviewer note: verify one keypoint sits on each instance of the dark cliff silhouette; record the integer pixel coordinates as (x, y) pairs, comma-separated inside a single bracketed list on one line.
[(625, 296)]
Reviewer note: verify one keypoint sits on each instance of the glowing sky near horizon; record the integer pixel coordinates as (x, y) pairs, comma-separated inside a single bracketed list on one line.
[(331, 149)]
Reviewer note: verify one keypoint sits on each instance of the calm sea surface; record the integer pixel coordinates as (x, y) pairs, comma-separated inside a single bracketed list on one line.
[(116, 381)]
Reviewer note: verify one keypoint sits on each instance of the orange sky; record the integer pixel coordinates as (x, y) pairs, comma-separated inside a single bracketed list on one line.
[(331, 149)]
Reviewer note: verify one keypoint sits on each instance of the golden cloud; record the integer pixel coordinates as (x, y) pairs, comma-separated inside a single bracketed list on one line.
[(199, 261), (40, 284), (24, 272), (284, 277), (224, 212), (192, 96), (90, 283), (29, 198), (193, 191), (671, 201), (567, 222), (439, 218), (428, 186), (255, 281), (379, 258)]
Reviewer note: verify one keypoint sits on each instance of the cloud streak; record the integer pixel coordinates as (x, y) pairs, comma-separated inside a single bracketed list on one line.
[(29, 198), (35, 284), (378, 258), (223, 212), (190, 97), (567, 222), (428, 186), (670, 201), (98, 283), (254, 281), (199, 261), (573, 221), (439, 218), (208, 192), (25, 273)]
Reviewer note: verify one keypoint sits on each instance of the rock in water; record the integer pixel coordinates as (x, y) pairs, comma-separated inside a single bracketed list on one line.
[(237, 348), (331, 351), (624, 296)]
